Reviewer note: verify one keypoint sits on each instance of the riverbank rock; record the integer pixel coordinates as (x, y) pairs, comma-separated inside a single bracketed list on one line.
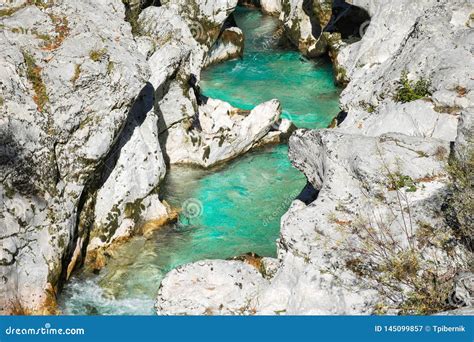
[(122, 205), (433, 41), (70, 72), (318, 240), (205, 18), (304, 22), (229, 46), (271, 7), (210, 287)]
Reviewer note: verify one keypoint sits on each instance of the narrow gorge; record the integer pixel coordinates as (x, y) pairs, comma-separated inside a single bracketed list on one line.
[(236, 157), (226, 223)]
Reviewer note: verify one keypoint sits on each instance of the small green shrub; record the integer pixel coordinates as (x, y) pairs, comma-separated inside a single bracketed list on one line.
[(398, 181), (409, 91), (77, 74), (96, 55)]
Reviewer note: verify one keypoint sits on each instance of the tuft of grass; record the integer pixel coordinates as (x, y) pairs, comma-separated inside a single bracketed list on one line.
[(2, 101), (110, 67), (61, 27), (43, 4), (33, 74), (97, 55), (409, 90), (369, 108), (6, 12), (77, 74)]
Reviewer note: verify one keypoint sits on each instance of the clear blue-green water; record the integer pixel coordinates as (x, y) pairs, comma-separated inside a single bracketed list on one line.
[(233, 209)]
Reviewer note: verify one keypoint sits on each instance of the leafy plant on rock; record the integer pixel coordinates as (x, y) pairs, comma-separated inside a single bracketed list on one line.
[(408, 90)]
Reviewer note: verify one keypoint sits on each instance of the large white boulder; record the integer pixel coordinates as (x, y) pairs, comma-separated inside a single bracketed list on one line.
[(210, 287), (224, 133)]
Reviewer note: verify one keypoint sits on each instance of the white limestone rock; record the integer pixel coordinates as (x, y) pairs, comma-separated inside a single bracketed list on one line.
[(224, 132), (210, 287), (64, 102), (133, 173), (271, 7), (431, 40), (204, 18), (230, 45), (304, 22)]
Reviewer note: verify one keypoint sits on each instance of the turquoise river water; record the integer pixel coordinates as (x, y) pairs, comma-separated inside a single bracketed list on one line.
[(239, 205)]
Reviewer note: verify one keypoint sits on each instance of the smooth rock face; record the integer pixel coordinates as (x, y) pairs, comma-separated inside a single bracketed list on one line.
[(210, 287), (229, 46), (133, 172), (225, 132), (64, 102), (431, 40)]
